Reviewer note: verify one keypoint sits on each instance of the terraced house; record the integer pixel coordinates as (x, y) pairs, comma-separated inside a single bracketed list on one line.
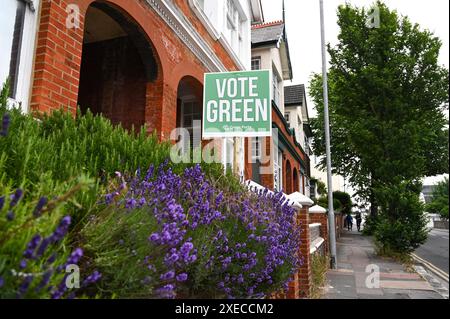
[(288, 148), (143, 62)]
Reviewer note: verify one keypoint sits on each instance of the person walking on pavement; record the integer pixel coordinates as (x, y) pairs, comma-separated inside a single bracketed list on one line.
[(358, 221), (349, 222)]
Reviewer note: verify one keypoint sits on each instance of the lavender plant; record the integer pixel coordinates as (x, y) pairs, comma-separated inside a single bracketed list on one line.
[(163, 235), (32, 264)]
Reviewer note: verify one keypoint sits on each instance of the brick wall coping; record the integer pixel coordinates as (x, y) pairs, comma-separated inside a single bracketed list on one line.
[(301, 199), (317, 210), (315, 245)]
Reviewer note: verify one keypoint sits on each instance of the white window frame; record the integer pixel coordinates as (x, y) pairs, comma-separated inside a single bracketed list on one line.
[(217, 28), (278, 170), (256, 60), (302, 184), (26, 57), (256, 148), (276, 88), (192, 128), (228, 154)]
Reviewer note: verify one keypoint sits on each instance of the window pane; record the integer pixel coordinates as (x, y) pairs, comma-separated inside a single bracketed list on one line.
[(256, 64), (11, 25)]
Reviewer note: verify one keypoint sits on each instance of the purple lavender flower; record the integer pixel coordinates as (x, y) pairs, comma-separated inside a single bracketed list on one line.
[(2, 202), (45, 280), (10, 216), (168, 276), (31, 246), (2, 282), (5, 124), (23, 288), (23, 264), (182, 277), (61, 230), (51, 259), (40, 205), (167, 292), (43, 246), (16, 197), (92, 279), (75, 257), (188, 203)]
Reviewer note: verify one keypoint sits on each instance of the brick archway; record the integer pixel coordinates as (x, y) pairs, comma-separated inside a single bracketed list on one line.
[(119, 66), (296, 182), (189, 111), (59, 58), (288, 178)]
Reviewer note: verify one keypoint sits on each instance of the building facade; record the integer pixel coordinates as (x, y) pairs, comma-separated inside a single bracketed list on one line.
[(279, 162), (142, 62), (135, 61)]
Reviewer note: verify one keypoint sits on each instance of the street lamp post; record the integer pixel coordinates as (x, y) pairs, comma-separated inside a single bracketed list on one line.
[(331, 220)]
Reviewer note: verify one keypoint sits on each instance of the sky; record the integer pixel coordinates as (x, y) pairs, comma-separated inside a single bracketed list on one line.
[(303, 28)]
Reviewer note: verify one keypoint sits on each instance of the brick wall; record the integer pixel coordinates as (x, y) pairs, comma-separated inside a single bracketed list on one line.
[(59, 58), (300, 286), (321, 218)]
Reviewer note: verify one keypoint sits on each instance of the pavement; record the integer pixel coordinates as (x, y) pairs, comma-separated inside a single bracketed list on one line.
[(361, 274)]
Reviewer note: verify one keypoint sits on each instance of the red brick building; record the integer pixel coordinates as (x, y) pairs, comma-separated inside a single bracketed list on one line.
[(143, 62)]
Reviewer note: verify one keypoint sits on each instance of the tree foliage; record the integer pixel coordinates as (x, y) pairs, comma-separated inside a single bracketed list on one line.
[(387, 94), (439, 203), (387, 97), (345, 200)]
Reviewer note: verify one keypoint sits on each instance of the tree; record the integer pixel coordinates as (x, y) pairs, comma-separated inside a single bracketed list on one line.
[(439, 203), (345, 200), (321, 187), (387, 97)]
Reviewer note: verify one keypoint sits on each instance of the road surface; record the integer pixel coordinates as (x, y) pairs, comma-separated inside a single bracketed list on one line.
[(435, 250)]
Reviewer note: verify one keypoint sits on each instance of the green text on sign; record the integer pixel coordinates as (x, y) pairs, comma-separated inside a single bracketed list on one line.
[(237, 104)]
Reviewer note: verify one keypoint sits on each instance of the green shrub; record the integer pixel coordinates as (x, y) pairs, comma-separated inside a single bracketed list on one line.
[(370, 225), (323, 201), (49, 156), (345, 200), (439, 203), (33, 244), (58, 148), (401, 225)]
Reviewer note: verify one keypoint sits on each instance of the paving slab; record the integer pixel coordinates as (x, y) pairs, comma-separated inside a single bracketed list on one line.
[(400, 276), (408, 285), (355, 253)]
